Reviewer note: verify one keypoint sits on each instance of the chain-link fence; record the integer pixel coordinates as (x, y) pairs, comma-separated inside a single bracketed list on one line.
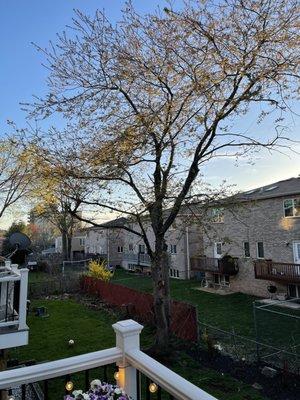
[(277, 341), (277, 328)]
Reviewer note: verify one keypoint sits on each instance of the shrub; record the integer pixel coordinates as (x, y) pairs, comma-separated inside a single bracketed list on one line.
[(98, 270)]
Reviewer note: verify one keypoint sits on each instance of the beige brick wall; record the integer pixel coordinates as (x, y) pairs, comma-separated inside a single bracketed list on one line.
[(261, 221)]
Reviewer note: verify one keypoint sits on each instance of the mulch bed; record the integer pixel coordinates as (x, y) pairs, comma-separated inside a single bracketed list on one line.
[(284, 386)]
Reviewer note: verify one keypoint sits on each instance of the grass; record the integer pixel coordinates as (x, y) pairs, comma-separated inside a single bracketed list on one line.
[(91, 330), (226, 312), (231, 312)]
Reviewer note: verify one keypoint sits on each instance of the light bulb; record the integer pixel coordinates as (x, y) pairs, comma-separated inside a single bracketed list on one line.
[(153, 387), (116, 375), (69, 386)]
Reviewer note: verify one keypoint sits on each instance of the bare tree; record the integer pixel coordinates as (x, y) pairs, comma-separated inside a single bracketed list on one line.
[(154, 99), (14, 173)]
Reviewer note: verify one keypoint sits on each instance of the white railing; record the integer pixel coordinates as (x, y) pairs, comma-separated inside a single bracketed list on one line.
[(128, 357), (137, 258), (9, 275)]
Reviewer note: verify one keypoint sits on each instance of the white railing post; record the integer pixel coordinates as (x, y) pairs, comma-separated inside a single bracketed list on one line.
[(23, 298), (127, 338)]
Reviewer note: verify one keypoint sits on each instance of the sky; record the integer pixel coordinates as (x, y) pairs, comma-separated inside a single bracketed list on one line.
[(22, 76)]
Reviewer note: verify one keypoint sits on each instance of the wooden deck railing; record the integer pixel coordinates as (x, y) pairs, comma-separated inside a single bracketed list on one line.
[(214, 265), (277, 271)]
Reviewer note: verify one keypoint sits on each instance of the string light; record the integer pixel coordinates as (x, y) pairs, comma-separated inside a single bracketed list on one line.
[(69, 386), (116, 375), (153, 387)]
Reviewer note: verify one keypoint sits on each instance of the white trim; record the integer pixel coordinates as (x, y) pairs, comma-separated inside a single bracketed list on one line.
[(128, 357), (173, 383), (216, 255), (53, 369)]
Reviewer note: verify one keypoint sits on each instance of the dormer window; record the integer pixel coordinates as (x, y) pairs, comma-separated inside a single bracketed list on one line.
[(291, 207)]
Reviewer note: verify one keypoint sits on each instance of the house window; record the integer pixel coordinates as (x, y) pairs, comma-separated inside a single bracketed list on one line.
[(130, 247), (82, 241), (217, 215), (142, 249), (174, 273), (292, 207), (131, 267), (218, 248), (173, 249), (294, 291), (246, 249), (260, 250), (120, 249)]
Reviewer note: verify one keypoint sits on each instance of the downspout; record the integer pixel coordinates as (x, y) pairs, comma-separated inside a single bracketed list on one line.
[(188, 265), (107, 238)]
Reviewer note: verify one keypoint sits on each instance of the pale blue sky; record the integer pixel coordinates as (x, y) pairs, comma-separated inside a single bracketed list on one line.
[(22, 75)]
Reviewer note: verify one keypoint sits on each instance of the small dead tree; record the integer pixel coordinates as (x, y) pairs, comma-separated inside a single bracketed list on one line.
[(154, 99)]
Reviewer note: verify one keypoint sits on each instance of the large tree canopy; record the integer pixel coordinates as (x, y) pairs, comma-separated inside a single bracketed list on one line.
[(152, 99)]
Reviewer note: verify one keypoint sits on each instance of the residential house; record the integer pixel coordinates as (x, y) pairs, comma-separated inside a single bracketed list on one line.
[(77, 244), (107, 241), (120, 242), (260, 228)]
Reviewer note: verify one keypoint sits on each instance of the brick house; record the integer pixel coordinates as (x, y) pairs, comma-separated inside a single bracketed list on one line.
[(127, 250), (260, 228)]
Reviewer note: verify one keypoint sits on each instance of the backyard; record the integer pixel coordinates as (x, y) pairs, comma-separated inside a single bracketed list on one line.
[(91, 330), (226, 312)]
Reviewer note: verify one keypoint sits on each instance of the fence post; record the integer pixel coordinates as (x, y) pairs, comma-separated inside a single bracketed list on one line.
[(256, 332), (127, 338)]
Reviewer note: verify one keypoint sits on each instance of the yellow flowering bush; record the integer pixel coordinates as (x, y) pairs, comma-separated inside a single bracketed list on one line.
[(98, 270)]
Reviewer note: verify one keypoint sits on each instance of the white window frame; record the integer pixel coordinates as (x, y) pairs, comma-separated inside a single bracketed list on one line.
[(260, 258), (130, 247), (294, 208), (120, 249), (216, 254)]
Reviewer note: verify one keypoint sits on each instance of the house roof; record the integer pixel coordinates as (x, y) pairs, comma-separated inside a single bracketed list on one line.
[(115, 223), (287, 187)]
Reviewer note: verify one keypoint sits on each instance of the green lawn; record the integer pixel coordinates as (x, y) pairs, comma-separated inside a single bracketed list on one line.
[(92, 331), (226, 312)]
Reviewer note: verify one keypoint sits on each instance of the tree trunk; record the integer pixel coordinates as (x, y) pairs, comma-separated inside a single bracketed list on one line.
[(65, 253), (69, 248), (161, 293)]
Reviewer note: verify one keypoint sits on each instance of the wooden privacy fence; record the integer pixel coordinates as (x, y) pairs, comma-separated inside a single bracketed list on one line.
[(140, 305)]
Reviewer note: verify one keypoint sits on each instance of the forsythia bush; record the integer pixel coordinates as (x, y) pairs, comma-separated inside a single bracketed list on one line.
[(99, 270)]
